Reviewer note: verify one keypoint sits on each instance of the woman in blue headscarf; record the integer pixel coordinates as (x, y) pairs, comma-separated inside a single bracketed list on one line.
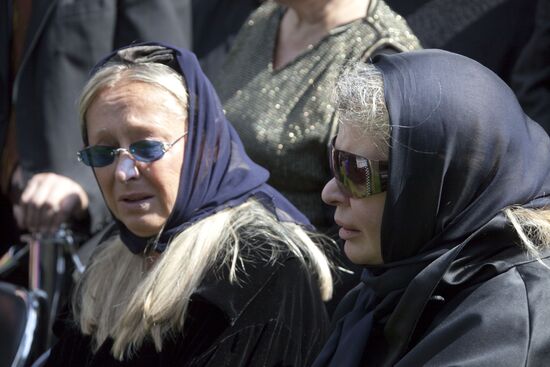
[(210, 266), (441, 187)]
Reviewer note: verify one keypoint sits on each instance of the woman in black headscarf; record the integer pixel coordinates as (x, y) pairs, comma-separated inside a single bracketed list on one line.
[(211, 266), (441, 187)]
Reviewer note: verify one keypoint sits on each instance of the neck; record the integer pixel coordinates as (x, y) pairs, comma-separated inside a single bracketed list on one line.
[(306, 22), (325, 14)]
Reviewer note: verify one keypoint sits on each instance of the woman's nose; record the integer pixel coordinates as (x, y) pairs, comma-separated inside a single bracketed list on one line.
[(126, 168), (332, 195)]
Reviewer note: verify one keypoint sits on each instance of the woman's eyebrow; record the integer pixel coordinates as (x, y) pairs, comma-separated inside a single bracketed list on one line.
[(100, 136)]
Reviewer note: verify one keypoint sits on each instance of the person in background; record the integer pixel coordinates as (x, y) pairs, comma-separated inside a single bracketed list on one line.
[(531, 77), (46, 51), (276, 88), (517, 33), (215, 25), (441, 187), (211, 266), (275, 85), (472, 28)]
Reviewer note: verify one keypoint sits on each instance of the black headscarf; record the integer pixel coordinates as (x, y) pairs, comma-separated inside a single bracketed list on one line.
[(216, 171), (461, 150)]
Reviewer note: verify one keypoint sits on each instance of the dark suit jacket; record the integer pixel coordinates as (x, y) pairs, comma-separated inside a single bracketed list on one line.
[(531, 79), (492, 32), (65, 38)]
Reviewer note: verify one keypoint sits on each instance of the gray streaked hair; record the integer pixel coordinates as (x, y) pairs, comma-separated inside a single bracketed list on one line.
[(360, 99), (359, 96)]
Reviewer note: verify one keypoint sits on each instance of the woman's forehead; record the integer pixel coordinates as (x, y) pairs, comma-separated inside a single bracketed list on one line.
[(135, 105), (353, 138)]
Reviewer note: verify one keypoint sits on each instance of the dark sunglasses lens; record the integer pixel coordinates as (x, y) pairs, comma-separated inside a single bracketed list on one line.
[(352, 173), (147, 150), (97, 156)]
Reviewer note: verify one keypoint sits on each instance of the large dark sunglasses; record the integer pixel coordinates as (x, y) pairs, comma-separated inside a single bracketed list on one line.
[(143, 151), (357, 177)]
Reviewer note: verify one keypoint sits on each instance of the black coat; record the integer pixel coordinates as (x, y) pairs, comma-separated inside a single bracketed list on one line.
[(503, 321), (491, 314), (274, 318)]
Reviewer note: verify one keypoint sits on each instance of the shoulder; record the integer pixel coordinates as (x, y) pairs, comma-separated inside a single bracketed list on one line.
[(521, 289), (290, 300), (286, 286), (265, 344), (498, 322), (265, 11), (392, 27), (535, 283), (252, 46), (276, 317), (262, 17), (270, 281)]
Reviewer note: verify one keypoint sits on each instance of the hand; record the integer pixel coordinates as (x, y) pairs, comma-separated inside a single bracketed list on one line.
[(47, 201)]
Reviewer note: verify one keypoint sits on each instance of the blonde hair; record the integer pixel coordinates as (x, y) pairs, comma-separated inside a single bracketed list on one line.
[(533, 228), (119, 297), (131, 298), (159, 75)]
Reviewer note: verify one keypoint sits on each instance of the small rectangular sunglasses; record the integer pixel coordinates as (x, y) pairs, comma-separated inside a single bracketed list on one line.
[(357, 176), (143, 151)]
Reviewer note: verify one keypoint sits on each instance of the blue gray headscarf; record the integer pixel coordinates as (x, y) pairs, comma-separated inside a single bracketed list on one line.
[(216, 172)]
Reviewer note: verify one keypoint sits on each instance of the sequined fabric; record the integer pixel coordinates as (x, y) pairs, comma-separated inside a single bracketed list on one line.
[(285, 117)]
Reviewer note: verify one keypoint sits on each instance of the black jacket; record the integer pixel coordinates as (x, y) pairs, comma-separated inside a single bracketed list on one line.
[(504, 321), (472, 28), (275, 317), (531, 79)]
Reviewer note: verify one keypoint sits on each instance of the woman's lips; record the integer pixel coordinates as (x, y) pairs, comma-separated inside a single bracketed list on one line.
[(348, 233), (135, 201)]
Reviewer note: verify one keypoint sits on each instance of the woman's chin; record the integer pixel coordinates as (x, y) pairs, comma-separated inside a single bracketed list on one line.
[(360, 253), (143, 227)]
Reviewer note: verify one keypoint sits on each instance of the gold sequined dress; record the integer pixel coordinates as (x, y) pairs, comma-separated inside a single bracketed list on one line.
[(285, 116)]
